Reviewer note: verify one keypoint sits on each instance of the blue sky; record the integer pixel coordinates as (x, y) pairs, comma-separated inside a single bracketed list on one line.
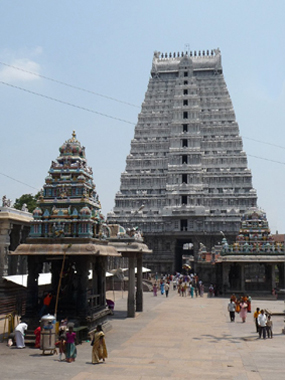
[(107, 48)]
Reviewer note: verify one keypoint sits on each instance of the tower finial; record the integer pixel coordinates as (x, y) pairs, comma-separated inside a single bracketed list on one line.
[(74, 134)]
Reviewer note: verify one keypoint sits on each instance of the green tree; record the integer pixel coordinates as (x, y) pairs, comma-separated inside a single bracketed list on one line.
[(29, 199)]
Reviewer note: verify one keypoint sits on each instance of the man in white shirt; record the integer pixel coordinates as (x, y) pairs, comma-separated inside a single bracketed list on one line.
[(232, 310), (261, 320)]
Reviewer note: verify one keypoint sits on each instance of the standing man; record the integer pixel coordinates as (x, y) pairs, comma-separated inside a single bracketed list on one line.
[(20, 333), (232, 310), (262, 320), (166, 288)]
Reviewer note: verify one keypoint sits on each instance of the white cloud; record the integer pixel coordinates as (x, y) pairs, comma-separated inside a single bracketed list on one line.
[(19, 70)]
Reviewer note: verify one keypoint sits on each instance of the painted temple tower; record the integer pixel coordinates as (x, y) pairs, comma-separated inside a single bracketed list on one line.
[(254, 236), (254, 262), (69, 205), (68, 236)]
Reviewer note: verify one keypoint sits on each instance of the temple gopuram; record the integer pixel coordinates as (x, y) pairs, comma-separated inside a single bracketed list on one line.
[(68, 233), (254, 262)]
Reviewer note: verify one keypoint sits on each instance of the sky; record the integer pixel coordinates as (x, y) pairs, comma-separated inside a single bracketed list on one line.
[(92, 61)]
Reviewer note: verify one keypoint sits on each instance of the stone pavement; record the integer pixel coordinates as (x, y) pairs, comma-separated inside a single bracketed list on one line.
[(179, 338)]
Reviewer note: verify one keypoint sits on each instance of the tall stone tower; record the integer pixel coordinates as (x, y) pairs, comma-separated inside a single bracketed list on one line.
[(186, 177)]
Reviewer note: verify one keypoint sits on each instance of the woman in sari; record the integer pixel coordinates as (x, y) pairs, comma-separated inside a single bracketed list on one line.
[(71, 351), (99, 349), (243, 311), (162, 287)]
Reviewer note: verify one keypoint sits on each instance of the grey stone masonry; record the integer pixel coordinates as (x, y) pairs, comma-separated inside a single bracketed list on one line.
[(186, 166)]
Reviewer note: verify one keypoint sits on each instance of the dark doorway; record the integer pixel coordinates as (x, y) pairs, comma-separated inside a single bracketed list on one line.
[(235, 277), (258, 277), (179, 252)]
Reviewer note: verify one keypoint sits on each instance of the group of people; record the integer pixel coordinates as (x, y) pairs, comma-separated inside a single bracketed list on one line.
[(263, 323), (164, 287), (188, 285), (240, 305), (184, 284), (67, 341)]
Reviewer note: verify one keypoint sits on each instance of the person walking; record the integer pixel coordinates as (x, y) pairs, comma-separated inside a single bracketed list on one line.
[(154, 290), (243, 311), (166, 287), (191, 290), (99, 349), (232, 310), (269, 326), (262, 320), (255, 316), (71, 351), (162, 287), (20, 334)]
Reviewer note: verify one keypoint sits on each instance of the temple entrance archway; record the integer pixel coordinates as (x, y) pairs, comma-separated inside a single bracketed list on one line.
[(179, 252)]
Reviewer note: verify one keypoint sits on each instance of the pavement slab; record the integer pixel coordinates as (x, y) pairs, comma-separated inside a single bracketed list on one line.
[(175, 337)]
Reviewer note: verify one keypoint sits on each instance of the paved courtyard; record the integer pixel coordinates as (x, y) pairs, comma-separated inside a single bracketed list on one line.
[(175, 337)]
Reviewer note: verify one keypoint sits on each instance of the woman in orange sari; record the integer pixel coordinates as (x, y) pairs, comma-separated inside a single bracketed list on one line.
[(99, 349)]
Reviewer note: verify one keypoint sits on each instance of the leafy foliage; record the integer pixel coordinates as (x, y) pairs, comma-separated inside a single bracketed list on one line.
[(29, 199)]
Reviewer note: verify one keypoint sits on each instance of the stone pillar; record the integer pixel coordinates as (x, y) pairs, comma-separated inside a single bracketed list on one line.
[(82, 267), (32, 287), (55, 273), (273, 278), (139, 294), (94, 277), (242, 278), (101, 270), (226, 271), (5, 229), (131, 290)]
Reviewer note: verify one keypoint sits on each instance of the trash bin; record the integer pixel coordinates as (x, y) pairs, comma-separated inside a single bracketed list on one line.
[(48, 333)]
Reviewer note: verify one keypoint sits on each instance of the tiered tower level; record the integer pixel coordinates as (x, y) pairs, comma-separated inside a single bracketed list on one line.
[(69, 205), (186, 165)]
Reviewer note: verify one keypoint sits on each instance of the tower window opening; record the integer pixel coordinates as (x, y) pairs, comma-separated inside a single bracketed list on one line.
[(185, 73), (184, 159), (185, 92), (186, 82), (184, 199), (185, 102), (185, 127), (185, 115), (184, 178), (184, 143), (183, 225)]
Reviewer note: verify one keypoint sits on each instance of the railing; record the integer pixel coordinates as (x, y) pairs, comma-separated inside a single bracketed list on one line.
[(94, 301)]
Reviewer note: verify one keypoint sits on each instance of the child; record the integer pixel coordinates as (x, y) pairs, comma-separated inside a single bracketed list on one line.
[(232, 310), (62, 341), (255, 316), (269, 326)]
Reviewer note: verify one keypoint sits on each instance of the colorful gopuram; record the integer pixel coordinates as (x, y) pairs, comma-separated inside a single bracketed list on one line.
[(254, 262), (69, 205), (68, 233)]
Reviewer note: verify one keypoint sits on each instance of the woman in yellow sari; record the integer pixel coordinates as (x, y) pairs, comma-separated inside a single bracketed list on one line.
[(99, 349)]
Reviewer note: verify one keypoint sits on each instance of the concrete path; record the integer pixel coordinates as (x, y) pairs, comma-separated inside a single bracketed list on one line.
[(175, 337)]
